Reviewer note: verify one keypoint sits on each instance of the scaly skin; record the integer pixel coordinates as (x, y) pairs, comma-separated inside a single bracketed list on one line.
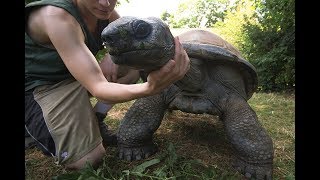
[(253, 146), (138, 126)]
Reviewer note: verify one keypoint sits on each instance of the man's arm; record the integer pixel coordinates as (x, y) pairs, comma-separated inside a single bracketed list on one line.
[(66, 36)]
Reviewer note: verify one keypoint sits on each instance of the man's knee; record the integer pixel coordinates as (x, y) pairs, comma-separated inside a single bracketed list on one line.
[(94, 157)]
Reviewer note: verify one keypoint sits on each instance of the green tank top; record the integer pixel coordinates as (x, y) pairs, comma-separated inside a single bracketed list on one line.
[(43, 64)]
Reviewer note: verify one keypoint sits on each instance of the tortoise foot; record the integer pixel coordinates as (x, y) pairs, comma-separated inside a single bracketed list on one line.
[(254, 171), (136, 153)]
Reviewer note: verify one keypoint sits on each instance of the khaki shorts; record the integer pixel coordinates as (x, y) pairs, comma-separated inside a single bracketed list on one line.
[(69, 118)]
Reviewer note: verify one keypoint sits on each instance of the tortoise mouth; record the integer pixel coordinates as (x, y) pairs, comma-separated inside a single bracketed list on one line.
[(117, 52), (147, 59)]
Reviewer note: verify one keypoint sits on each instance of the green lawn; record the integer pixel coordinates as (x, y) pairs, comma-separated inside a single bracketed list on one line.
[(190, 147)]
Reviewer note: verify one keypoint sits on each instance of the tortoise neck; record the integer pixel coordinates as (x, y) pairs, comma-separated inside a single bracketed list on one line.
[(194, 78)]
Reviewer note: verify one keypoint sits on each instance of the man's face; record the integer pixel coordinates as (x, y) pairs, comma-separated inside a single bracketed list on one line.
[(101, 8)]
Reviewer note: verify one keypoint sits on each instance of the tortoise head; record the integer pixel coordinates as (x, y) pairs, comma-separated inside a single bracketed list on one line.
[(144, 43)]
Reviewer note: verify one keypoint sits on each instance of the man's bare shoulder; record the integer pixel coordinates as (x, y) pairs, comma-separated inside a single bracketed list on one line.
[(52, 12), (45, 18)]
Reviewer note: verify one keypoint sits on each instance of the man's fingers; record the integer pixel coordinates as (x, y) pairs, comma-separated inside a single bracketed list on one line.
[(186, 65), (177, 52), (168, 67), (181, 58)]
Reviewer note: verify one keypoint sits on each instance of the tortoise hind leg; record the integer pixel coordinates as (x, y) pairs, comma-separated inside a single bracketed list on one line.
[(138, 126), (253, 146)]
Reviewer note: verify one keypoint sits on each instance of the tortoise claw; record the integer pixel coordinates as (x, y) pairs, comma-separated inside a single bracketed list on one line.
[(136, 153), (254, 171)]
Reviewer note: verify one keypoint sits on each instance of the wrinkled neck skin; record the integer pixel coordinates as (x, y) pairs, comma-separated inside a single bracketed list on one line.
[(194, 78)]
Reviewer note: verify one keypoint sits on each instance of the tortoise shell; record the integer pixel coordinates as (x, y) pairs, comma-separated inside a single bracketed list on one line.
[(205, 45)]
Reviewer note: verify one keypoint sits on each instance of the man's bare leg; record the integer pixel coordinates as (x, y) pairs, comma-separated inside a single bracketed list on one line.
[(94, 157)]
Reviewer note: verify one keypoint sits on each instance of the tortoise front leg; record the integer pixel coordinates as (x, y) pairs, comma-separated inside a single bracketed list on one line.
[(138, 126), (253, 146)]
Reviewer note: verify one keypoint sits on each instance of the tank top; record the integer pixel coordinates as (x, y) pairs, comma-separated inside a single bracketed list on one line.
[(43, 65)]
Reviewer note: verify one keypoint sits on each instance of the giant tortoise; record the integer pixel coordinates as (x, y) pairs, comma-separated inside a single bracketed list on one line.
[(220, 82)]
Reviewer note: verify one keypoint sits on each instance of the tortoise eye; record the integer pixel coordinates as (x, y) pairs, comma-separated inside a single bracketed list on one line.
[(141, 29)]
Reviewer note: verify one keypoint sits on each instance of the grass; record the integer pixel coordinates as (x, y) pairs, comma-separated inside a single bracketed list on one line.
[(190, 147)]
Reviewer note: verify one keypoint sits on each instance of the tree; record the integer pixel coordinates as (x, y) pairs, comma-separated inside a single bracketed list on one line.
[(197, 13), (231, 29), (270, 45)]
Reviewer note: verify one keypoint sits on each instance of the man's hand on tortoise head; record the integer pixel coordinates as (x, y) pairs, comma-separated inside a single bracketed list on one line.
[(172, 71)]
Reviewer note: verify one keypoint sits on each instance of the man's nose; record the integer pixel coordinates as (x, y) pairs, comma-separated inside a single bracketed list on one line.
[(104, 3)]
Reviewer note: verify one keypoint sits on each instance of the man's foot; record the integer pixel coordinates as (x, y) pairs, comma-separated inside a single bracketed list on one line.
[(109, 138)]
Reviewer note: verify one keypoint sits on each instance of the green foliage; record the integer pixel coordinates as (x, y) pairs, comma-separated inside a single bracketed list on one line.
[(119, 2), (265, 34), (231, 29), (87, 173), (196, 13), (167, 165), (270, 45), (100, 55)]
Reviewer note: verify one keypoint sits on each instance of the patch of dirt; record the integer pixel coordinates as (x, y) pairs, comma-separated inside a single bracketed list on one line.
[(198, 136), (40, 166)]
